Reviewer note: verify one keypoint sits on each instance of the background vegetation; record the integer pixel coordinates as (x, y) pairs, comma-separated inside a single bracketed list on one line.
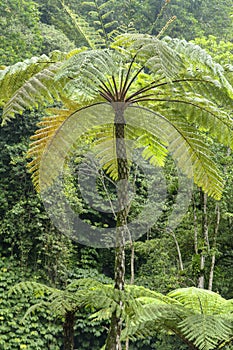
[(32, 249)]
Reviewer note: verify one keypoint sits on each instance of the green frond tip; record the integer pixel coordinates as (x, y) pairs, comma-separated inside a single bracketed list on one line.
[(28, 84)]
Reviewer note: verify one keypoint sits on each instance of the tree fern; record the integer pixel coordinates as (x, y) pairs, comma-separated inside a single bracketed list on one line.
[(200, 318), (77, 294), (149, 90)]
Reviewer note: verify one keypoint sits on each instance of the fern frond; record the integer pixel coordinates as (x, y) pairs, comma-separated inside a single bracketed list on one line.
[(41, 306), (32, 288), (38, 90), (188, 148), (153, 53), (13, 77), (87, 70), (206, 331), (201, 300), (29, 84), (198, 317), (48, 128), (194, 158), (202, 101), (198, 60), (77, 294), (141, 293), (153, 149)]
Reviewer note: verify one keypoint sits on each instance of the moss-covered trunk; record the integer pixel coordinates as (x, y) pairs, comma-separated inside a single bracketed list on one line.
[(113, 340)]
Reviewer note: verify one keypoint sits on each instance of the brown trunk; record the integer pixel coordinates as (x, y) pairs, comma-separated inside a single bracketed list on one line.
[(68, 331), (113, 340)]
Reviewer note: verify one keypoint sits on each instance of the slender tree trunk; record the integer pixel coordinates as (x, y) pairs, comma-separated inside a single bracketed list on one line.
[(205, 249), (68, 331), (211, 276), (113, 340), (195, 227), (178, 251), (132, 263)]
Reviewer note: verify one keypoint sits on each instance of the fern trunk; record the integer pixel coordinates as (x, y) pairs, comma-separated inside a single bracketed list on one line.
[(113, 340), (68, 331)]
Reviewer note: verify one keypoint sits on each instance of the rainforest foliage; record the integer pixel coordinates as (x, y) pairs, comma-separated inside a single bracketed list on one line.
[(65, 285)]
